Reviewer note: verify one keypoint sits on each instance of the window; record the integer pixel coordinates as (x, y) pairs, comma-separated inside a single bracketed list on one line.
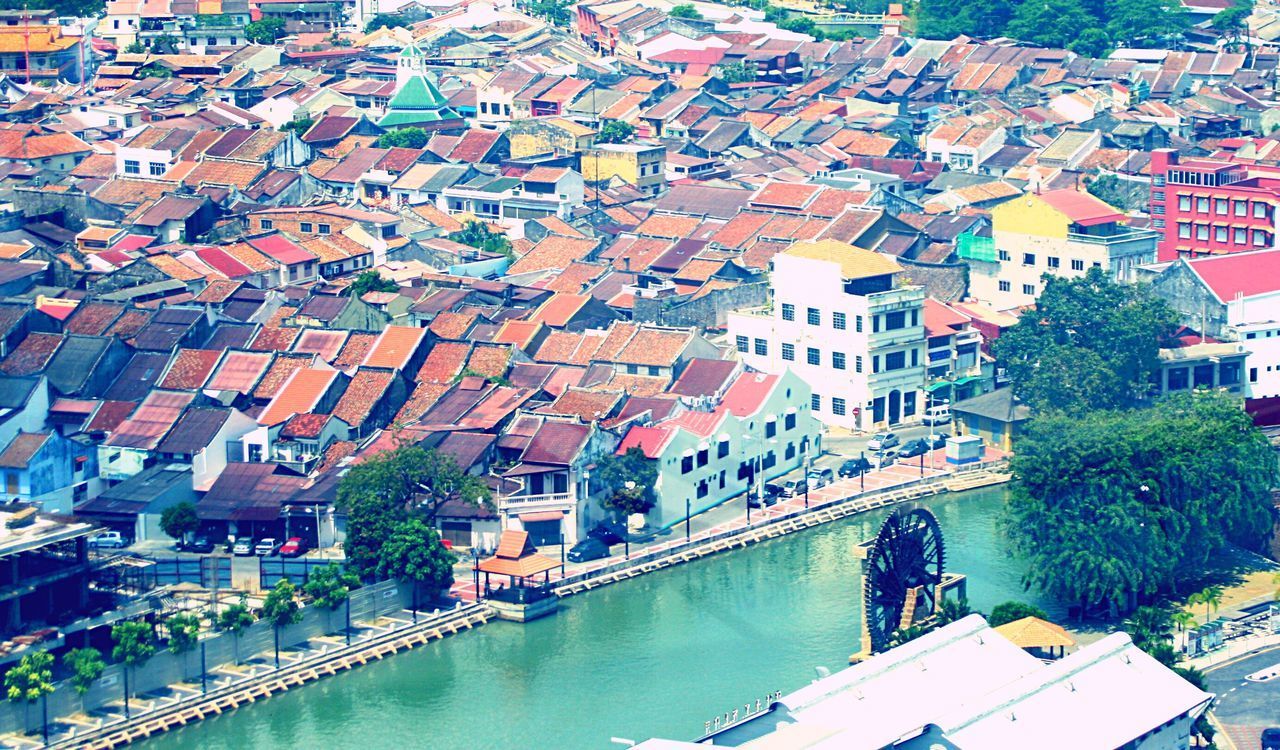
[(1053, 262), (1240, 236), (655, 371), (915, 357), (1259, 238), (837, 407), (1077, 265), (1028, 259), (1028, 289), (1178, 379), (1253, 374), (837, 360), (702, 456), (762, 348), (789, 421), (788, 311), (1202, 231), (132, 167), (1261, 210), (1184, 230), (815, 316), (875, 323), (875, 363), (743, 342), (324, 228), (1220, 234), (1220, 206), (1004, 255), (155, 168), (895, 320), (266, 223), (686, 464), (895, 361), (1202, 205), (1005, 286), (722, 450), (857, 323), (815, 402), (813, 356), (1240, 208), (771, 428), (1184, 203), (839, 321), (857, 363), (789, 352), (305, 227)]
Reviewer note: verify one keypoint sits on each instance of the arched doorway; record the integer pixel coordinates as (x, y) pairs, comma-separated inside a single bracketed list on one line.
[(895, 407)]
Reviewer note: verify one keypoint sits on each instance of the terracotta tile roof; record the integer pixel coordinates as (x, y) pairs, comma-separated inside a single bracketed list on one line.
[(128, 324), (304, 426), (218, 291), (299, 395), (239, 371), (249, 257), (363, 392), (32, 355), (279, 372), (490, 360), (445, 360), (354, 351), (616, 339), (575, 277), (235, 174), (327, 344), (394, 348), (278, 317), (424, 396), (552, 252), (173, 268), (93, 318), (274, 339), (589, 406), (109, 416), (452, 325), (190, 369), (337, 451), (562, 347), (654, 347), (643, 386), (24, 446)]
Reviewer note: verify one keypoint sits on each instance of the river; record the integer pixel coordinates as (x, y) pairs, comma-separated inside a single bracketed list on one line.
[(652, 656)]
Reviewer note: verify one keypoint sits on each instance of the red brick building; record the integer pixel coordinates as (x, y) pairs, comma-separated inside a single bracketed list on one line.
[(1212, 206)]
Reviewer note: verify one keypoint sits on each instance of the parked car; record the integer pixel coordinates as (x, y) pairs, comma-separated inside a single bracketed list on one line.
[(293, 547), (266, 547), (588, 549), (771, 494), (243, 546), (935, 415), (609, 532), (881, 460), (794, 487), (854, 467), (913, 448), (882, 441), (937, 441), (1271, 738), (108, 540), (818, 478), (200, 544)]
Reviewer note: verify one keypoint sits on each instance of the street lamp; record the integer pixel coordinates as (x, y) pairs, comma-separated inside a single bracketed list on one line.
[(808, 466), (688, 518), (626, 536)]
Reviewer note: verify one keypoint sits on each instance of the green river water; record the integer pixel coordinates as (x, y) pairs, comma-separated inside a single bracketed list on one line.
[(653, 656)]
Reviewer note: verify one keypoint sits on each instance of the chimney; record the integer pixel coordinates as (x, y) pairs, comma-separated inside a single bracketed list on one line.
[(626, 263)]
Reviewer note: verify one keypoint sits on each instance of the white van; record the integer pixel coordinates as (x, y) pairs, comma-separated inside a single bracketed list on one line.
[(940, 414)]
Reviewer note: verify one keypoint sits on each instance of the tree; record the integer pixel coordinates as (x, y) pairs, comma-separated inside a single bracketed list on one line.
[(235, 620), (379, 493), (1210, 597), (30, 681), (616, 131), (1233, 19), (330, 586), (134, 645), (135, 48), (1049, 23), (298, 126), (685, 10), (413, 553), (281, 608), (478, 235), (404, 138), (372, 281), (554, 12), (738, 72), (155, 70), (1011, 611), (1091, 43), (179, 520), (1146, 23), (1111, 507), (86, 666), (627, 481), (1090, 343), (1117, 192), (266, 31), (387, 21), (184, 632), (943, 19)]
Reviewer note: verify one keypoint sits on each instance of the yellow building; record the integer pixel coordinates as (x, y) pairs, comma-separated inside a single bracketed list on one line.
[(548, 135), (633, 163)]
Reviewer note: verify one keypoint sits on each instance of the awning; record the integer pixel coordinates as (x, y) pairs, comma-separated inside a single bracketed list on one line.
[(522, 469), (938, 386), (542, 515), (968, 379)]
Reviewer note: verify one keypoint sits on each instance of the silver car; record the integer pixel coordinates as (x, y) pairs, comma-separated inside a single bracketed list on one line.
[(882, 441)]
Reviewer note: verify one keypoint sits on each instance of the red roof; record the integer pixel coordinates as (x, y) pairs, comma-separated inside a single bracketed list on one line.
[(1240, 274), (222, 262), (1081, 208), (281, 249), (651, 440), (748, 393), (941, 320)]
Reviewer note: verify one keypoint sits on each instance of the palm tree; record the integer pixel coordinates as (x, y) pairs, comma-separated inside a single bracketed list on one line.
[(1184, 620), (1210, 597), (1275, 579)]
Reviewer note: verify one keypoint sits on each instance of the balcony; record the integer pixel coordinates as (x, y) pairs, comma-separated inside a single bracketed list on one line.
[(530, 503), (894, 299), (1124, 242)]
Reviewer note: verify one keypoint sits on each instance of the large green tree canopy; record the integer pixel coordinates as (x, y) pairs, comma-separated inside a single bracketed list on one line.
[(1113, 506), (1089, 343), (1087, 27)]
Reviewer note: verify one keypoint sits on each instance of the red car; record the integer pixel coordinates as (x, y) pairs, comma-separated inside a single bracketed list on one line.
[(294, 547)]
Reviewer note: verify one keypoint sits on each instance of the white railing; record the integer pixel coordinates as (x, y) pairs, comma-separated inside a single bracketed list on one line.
[(563, 500)]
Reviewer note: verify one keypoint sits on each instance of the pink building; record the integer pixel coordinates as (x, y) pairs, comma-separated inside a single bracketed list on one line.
[(1212, 206)]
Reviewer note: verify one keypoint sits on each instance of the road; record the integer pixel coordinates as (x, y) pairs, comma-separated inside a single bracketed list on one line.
[(1245, 707), (848, 446)]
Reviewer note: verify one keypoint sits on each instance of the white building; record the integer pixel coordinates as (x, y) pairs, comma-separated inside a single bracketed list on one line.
[(963, 147), (843, 323), (966, 686)]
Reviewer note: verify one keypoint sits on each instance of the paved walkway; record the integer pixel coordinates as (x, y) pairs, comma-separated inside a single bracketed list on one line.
[(732, 515)]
